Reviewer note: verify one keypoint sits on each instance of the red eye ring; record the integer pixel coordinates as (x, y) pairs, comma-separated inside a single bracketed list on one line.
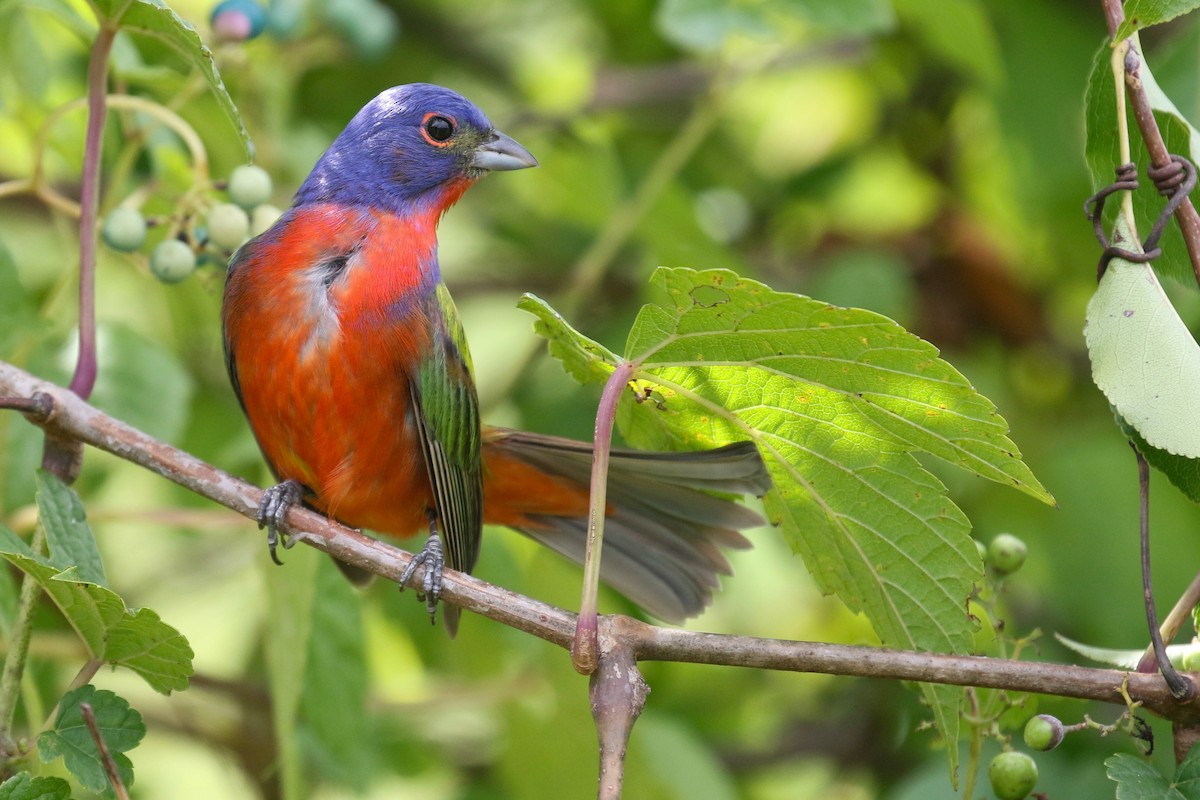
[(438, 129)]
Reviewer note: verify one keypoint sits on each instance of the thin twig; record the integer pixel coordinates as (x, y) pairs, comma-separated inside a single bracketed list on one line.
[(85, 367), (1180, 686), (585, 651), (110, 766)]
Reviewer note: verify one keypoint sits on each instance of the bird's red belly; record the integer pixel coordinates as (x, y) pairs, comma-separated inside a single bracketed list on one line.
[(339, 423)]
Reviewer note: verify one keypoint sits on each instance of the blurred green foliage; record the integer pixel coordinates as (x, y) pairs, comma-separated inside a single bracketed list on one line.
[(920, 158)]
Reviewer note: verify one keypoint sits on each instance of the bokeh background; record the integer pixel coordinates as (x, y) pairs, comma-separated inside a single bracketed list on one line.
[(921, 158)]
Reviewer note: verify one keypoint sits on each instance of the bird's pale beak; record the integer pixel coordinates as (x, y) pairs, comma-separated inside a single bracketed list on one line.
[(501, 153)]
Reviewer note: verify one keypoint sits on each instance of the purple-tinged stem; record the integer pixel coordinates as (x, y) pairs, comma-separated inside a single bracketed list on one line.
[(84, 378), (585, 651)]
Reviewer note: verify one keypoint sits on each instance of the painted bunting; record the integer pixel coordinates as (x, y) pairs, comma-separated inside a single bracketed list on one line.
[(348, 357)]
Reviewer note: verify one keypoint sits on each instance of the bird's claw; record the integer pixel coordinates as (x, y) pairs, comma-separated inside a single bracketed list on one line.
[(273, 508), (431, 586)]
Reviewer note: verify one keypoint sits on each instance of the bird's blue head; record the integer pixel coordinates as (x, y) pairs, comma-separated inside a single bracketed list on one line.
[(414, 147)]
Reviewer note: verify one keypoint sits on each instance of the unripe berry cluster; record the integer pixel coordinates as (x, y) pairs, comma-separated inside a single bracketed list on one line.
[(226, 227)]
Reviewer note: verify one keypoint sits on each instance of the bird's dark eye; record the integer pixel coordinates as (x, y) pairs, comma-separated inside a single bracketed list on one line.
[(438, 129)]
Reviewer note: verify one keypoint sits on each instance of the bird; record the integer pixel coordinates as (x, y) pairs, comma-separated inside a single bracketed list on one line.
[(350, 362)]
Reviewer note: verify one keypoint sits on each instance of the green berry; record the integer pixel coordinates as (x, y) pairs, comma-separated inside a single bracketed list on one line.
[(1191, 659), (249, 186), (228, 226), (1012, 775), (124, 229), (171, 261), (1043, 732), (981, 548), (263, 217), (1006, 553)]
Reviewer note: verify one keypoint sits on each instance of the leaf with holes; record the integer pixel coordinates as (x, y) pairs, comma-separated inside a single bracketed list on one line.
[(838, 400)]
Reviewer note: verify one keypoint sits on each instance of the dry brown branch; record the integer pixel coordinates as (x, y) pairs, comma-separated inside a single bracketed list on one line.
[(71, 417)]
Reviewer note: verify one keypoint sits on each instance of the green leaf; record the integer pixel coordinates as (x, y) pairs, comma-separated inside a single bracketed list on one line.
[(1137, 779), (1103, 155), (291, 596), (157, 20), (838, 400), (16, 307), (24, 786), (142, 383), (587, 361), (333, 698), (1181, 471), (68, 535), (1144, 359), (1144, 13), (136, 639), (120, 726), (1125, 659)]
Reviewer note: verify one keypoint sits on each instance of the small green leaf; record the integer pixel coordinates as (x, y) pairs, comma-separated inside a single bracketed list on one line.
[(138, 639), (1137, 779), (587, 361), (120, 726), (1144, 359), (24, 786), (68, 535), (1125, 659), (1144, 13)]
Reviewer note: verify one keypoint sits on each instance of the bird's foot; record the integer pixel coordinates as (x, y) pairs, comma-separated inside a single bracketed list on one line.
[(273, 508), (431, 586)]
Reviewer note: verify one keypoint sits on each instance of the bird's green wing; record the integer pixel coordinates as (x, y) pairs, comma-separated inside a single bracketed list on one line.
[(447, 412)]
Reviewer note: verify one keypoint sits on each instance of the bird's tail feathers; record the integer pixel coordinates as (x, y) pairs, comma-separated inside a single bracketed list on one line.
[(665, 531)]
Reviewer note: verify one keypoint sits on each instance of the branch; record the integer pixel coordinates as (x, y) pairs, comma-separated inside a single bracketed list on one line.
[(69, 416)]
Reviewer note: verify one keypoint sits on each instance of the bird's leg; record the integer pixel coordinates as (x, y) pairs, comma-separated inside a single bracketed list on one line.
[(273, 508), (433, 559)]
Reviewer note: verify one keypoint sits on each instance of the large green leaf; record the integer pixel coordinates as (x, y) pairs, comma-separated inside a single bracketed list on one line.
[(1144, 13), (120, 726), (1144, 358), (133, 638), (838, 400)]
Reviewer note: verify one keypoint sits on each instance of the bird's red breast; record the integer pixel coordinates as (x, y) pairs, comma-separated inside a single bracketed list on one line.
[(327, 319)]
